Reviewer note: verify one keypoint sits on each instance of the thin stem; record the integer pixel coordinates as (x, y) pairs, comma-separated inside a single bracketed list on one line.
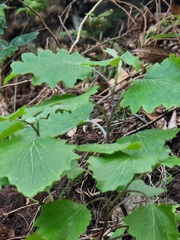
[(101, 110), (99, 126), (46, 27), (81, 25)]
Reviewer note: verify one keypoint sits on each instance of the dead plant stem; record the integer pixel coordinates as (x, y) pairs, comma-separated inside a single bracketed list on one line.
[(81, 25)]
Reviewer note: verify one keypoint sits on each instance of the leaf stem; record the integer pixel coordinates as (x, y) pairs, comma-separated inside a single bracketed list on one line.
[(34, 128)]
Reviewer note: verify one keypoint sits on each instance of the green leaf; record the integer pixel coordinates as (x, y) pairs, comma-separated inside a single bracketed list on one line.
[(8, 128), (23, 39), (3, 181), (35, 236), (152, 142), (14, 115), (63, 219), (171, 162), (52, 68), (3, 43), (2, 25), (160, 86), (168, 35), (139, 185), (63, 122), (112, 52), (131, 60), (118, 232), (152, 222), (67, 102), (108, 148), (7, 52), (75, 170), (122, 166), (32, 163)]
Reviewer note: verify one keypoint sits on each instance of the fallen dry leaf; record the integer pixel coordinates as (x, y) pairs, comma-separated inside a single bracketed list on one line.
[(173, 121), (152, 53)]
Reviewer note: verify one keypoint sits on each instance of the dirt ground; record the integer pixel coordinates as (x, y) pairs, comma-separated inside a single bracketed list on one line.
[(18, 213)]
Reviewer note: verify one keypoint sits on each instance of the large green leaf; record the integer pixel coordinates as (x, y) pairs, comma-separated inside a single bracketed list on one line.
[(31, 163), (152, 222), (118, 169), (152, 142), (160, 86), (63, 122), (63, 220), (52, 68)]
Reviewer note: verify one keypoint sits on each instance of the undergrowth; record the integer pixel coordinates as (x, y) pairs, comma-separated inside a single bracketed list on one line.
[(33, 156)]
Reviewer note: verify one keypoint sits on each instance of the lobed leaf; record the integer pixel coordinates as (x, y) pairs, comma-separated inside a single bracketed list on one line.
[(152, 222), (152, 142), (160, 86), (62, 220), (32, 163), (52, 68), (118, 169)]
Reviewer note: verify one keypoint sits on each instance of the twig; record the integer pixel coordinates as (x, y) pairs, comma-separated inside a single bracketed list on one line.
[(149, 123), (14, 84), (67, 32), (81, 25), (45, 25)]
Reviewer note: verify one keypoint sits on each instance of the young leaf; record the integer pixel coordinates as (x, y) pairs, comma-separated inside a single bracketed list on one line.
[(52, 68), (63, 220), (122, 166), (152, 222), (160, 86), (139, 185), (152, 142), (32, 163), (131, 60)]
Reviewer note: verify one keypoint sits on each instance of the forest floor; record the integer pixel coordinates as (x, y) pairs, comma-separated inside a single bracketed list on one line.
[(18, 213)]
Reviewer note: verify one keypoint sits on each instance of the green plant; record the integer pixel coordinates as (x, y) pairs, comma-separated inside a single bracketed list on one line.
[(32, 157), (37, 5)]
